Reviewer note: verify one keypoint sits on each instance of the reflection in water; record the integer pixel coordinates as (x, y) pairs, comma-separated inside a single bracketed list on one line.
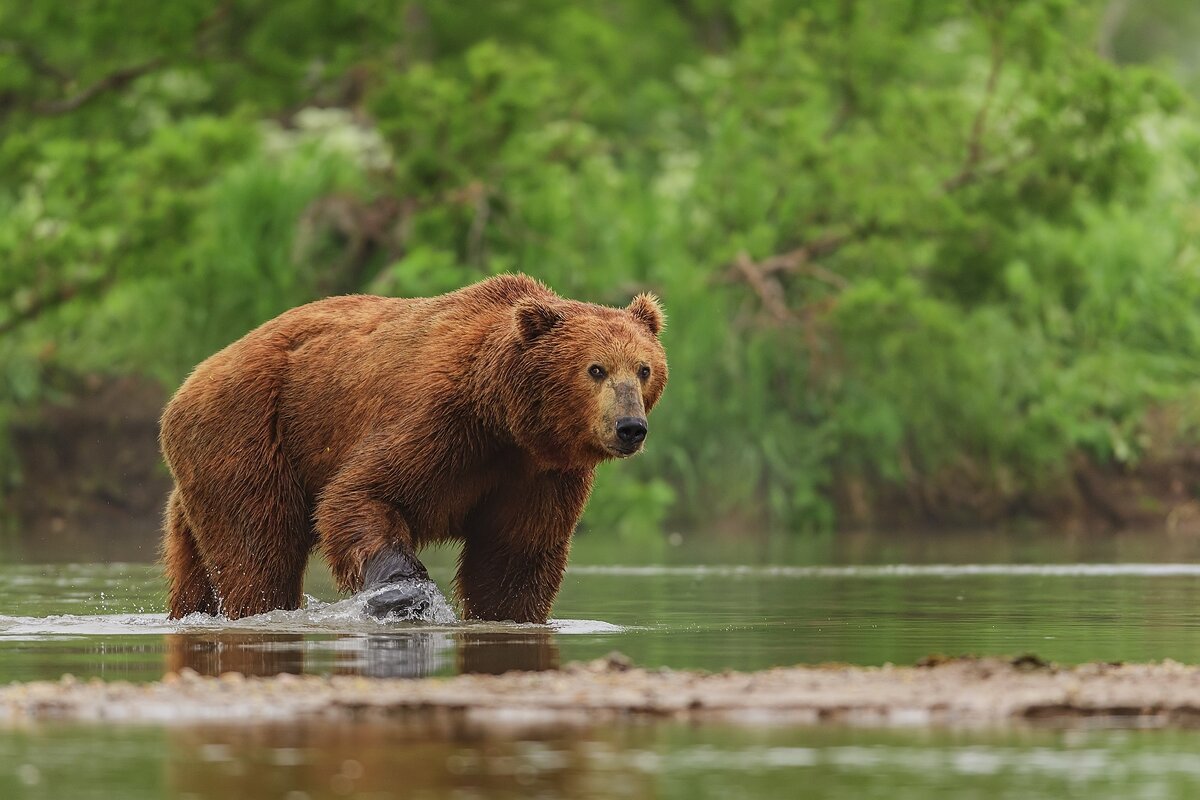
[(252, 654), (366, 759), (496, 653), (423, 757), (400, 654), (416, 654), (411, 654)]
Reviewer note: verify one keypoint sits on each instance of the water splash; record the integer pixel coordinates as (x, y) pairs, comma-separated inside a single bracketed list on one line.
[(317, 616), (428, 603)]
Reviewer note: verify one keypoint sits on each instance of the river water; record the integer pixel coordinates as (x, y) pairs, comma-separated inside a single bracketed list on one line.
[(724, 604)]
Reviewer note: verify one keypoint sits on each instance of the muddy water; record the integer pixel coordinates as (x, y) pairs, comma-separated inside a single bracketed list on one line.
[(740, 605)]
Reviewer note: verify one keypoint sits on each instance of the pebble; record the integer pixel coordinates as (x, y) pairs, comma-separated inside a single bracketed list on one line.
[(946, 691)]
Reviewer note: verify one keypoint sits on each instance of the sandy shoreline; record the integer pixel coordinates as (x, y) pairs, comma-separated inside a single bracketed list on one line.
[(961, 692)]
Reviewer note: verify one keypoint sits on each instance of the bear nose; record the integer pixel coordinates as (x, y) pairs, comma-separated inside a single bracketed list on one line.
[(631, 430)]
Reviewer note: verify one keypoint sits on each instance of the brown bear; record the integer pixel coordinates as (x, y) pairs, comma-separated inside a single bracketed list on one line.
[(372, 426)]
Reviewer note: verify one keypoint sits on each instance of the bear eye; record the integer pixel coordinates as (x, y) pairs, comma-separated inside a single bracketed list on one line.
[(644, 372), (597, 371)]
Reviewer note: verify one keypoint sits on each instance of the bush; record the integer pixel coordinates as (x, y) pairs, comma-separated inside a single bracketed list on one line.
[(894, 240)]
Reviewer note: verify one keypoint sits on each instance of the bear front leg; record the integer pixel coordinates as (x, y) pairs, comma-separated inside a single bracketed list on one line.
[(497, 581), (369, 548), (516, 548)]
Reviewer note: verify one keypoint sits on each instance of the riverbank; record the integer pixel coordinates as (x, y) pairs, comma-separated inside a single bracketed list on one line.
[(94, 482), (958, 692)]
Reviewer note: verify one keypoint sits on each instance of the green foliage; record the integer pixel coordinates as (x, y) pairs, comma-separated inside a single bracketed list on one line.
[(895, 240)]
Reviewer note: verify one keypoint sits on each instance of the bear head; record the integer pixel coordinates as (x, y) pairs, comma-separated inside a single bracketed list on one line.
[(588, 376)]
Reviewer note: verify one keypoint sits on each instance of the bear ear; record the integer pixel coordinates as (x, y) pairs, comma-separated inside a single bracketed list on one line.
[(536, 317), (646, 310)]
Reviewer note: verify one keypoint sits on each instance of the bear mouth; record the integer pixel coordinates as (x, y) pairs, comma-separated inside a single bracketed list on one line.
[(624, 450)]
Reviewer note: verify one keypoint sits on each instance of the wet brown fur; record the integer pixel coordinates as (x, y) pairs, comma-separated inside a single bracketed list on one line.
[(359, 423)]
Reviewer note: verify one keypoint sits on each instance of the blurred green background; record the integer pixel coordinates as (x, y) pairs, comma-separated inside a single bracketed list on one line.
[(925, 262)]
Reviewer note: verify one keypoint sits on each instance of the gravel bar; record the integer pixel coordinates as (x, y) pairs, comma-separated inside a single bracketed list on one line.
[(957, 692)]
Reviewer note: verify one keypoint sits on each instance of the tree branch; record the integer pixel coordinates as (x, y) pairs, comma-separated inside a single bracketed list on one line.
[(35, 61), (46, 302), (1110, 26), (110, 82), (799, 260), (974, 157), (847, 91), (769, 292)]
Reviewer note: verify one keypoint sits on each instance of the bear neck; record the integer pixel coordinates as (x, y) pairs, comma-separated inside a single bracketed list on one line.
[(510, 407)]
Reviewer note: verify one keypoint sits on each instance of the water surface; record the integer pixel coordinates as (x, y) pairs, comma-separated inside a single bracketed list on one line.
[(727, 604), (633, 761), (675, 607)]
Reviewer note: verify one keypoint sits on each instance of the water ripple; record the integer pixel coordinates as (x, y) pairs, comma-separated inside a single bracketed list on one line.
[(898, 570)]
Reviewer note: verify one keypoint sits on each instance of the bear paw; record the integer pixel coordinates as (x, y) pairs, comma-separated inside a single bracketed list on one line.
[(414, 599)]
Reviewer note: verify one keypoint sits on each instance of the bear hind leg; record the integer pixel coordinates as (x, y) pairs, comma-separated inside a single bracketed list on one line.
[(258, 565), (190, 590), (246, 588), (238, 555), (257, 552), (250, 516)]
